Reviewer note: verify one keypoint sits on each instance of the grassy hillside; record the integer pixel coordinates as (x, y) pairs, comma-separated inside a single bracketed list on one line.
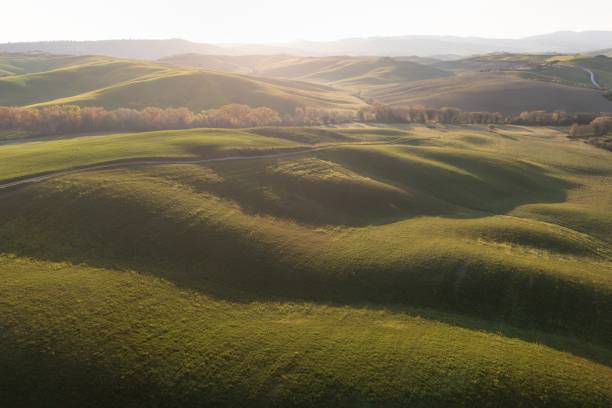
[(340, 71), (494, 92), (564, 69), (606, 52), (20, 64), (601, 67), (494, 62), (114, 83), (508, 83), (224, 63), (172, 346), (92, 74), (573, 71), (444, 267)]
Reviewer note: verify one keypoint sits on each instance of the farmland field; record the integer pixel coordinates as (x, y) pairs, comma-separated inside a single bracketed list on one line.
[(364, 265)]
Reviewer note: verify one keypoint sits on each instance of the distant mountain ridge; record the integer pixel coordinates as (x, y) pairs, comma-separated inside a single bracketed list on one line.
[(425, 46), (133, 49), (417, 45)]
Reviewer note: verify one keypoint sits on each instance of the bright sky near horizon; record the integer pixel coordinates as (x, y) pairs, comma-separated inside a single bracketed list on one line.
[(250, 21)]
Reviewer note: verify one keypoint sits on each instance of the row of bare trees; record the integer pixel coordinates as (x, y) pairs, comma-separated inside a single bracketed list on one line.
[(73, 119), (389, 114), (602, 126), (595, 133), (381, 113)]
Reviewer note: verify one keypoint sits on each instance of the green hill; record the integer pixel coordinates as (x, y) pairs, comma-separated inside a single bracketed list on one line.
[(340, 71), (20, 64), (70, 80), (606, 52), (507, 83), (114, 83), (379, 266), (564, 69), (601, 67), (507, 93)]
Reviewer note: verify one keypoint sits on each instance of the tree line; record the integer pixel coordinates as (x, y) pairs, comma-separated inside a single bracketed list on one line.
[(390, 114), (595, 133), (73, 119)]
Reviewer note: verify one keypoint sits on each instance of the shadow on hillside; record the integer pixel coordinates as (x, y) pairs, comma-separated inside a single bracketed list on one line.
[(359, 187), (220, 262), (566, 343), (127, 229), (572, 342), (233, 267)]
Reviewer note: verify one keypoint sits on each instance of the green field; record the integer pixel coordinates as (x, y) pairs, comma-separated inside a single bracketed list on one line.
[(21, 64), (378, 267), (506, 83), (116, 83), (349, 72), (505, 92)]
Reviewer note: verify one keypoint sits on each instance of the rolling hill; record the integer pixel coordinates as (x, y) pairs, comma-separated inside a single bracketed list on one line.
[(508, 93), (565, 69), (600, 66), (338, 71), (360, 266), (506, 83), (21, 64), (114, 83), (606, 52)]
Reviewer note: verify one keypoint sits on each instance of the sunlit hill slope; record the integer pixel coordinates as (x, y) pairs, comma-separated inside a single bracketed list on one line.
[(366, 266), (113, 83)]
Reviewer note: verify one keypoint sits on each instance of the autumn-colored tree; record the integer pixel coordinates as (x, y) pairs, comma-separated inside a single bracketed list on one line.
[(602, 125)]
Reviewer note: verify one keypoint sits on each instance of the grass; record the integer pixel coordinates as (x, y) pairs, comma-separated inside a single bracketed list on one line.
[(563, 74), (601, 67), (507, 93), (12, 135), (198, 82), (350, 72), (511, 83), (20, 64), (68, 81), (451, 267), (572, 72), (47, 156), (170, 346), (113, 83)]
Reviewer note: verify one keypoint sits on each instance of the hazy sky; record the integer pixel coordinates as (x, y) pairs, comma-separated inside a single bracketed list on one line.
[(280, 21)]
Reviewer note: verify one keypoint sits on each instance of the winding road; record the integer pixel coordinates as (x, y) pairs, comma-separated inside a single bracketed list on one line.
[(592, 74), (4, 185), (146, 162)]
